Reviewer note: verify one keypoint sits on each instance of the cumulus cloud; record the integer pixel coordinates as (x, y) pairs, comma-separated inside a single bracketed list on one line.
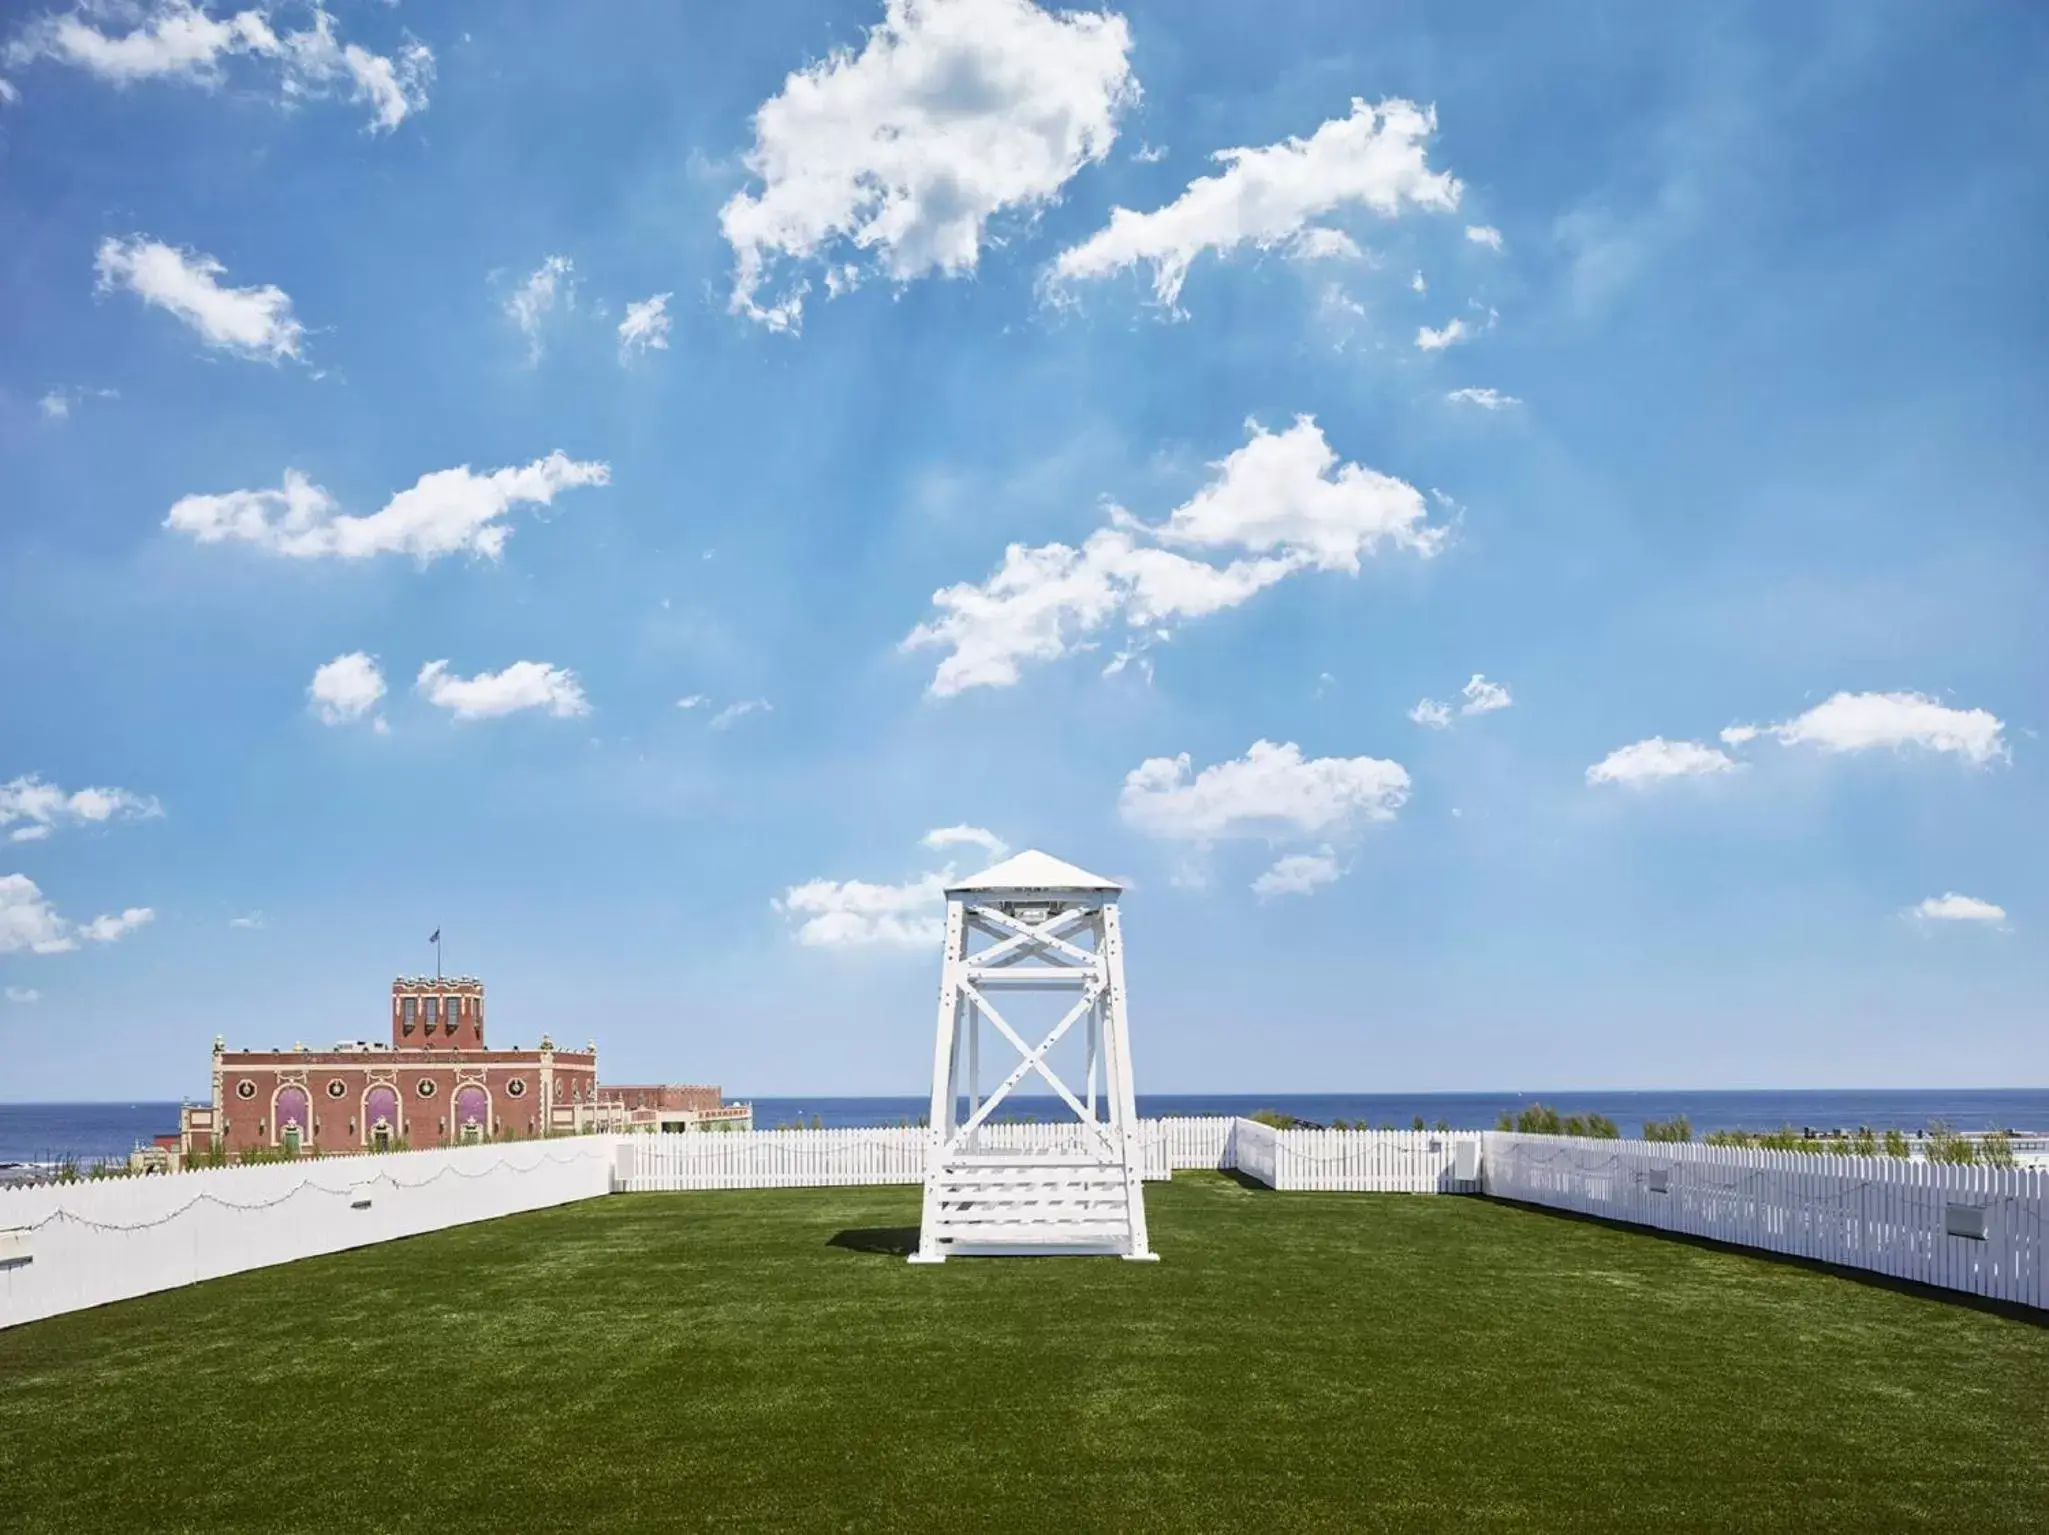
[(1850, 722), (1484, 697), (180, 41), (1298, 874), (1431, 714), (992, 846), (522, 685), (844, 914), (1267, 197), (445, 512), (1271, 791), (256, 323), (1486, 399), (31, 809), (895, 158), (733, 713), (106, 929), (22, 994), (1959, 908), (694, 701), (1645, 762), (346, 688), (30, 924), (1484, 234), (646, 326), (1281, 504), (550, 283)]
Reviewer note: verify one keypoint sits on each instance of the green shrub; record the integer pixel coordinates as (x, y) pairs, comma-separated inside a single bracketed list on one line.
[(1896, 1146), (1995, 1149), (1676, 1129)]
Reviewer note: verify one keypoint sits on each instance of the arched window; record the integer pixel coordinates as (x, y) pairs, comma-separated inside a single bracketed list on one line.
[(472, 1112), (293, 1112)]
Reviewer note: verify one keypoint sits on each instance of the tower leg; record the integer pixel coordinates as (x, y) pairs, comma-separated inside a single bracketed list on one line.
[(939, 1131), (1123, 1098)]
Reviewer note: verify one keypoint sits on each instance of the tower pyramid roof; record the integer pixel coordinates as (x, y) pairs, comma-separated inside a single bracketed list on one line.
[(1034, 870)]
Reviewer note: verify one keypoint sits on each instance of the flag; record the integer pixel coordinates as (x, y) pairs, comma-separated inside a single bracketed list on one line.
[(436, 938)]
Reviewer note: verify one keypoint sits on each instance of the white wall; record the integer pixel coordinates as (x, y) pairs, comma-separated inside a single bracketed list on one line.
[(1892, 1217), (68, 1246)]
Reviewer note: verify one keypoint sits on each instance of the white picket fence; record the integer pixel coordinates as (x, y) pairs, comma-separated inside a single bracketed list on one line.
[(795, 1159), (1356, 1161), (1974, 1229), (70, 1245)]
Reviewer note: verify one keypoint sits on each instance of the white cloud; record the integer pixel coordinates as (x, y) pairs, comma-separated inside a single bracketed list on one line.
[(898, 156), (1484, 234), (840, 914), (1319, 244), (178, 40), (1298, 874), (733, 713), (256, 323), (107, 929), (1437, 340), (9, 95), (1270, 791), (1484, 697), (1486, 399), (23, 994), (993, 846), (1960, 908), (445, 512), (28, 923), (1417, 284), (34, 809), (553, 281), (646, 326), (1851, 722), (1283, 496), (58, 403), (1266, 197), (1649, 761), (250, 921), (1429, 712), (695, 700), (522, 685), (346, 688), (1147, 154)]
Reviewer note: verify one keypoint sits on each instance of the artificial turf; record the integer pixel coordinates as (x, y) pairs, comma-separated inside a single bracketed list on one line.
[(769, 1360)]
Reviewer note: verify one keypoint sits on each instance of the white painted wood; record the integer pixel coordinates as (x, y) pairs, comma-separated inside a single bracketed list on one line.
[(1049, 927), (1892, 1217)]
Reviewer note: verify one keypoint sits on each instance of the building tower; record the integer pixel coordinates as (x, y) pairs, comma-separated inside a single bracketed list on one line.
[(432, 1012), (1033, 924)]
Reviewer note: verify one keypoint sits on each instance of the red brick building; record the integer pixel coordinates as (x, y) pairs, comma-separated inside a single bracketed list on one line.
[(435, 1084)]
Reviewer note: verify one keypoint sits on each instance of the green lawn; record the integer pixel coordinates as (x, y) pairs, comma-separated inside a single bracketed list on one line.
[(769, 1360)]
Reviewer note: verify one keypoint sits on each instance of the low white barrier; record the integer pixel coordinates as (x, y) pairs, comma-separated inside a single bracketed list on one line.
[(71, 1245), (1357, 1161), (799, 1159), (1975, 1229)]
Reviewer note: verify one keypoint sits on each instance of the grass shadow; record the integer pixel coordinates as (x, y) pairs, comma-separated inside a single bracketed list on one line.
[(2011, 1310), (1243, 1180), (885, 1241)]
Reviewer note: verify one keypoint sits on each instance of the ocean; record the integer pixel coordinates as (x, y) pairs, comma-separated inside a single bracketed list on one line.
[(46, 1132)]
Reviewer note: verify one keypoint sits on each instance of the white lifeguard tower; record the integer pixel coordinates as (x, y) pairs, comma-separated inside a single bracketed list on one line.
[(1033, 924)]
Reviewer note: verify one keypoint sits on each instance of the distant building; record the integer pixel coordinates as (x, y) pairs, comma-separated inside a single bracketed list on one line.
[(435, 1084)]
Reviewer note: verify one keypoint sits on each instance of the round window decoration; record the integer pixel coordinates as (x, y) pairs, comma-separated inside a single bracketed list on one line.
[(426, 1087), (245, 1089), (516, 1087), (337, 1088)]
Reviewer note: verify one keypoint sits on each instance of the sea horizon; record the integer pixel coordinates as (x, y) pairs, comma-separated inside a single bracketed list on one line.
[(49, 1130)]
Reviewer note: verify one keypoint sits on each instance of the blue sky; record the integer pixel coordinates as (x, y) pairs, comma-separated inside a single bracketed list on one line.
[(328, 353)]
